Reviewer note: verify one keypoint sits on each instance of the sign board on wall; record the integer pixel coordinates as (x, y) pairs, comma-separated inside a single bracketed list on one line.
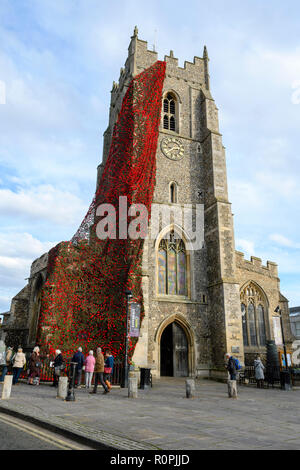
[(135, 314)]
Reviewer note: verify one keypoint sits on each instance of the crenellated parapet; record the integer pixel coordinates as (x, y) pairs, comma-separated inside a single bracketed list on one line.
[(140, 57), (255, 265)]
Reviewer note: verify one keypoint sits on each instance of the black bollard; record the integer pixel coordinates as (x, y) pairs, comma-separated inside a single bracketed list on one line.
[(71, 394)]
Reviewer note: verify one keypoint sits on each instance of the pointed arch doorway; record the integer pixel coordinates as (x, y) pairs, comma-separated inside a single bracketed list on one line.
[(174, 351)]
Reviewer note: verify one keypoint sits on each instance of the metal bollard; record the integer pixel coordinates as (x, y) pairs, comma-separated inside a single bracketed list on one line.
[(6, 391), (132, 387), (62, 389), (71, 394), (190, 388)]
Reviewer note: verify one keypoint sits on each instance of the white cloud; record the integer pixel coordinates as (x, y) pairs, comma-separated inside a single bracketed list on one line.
[(284, 241), (17, 252), (42, 202), (17, 246)]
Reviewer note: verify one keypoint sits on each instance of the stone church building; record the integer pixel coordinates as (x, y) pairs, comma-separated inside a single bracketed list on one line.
[(200, 303)]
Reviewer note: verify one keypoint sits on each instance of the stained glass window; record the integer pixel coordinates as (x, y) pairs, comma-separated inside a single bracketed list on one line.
[(181, 272), (162, 262), (172, 266), (172, 272), (253, 307), (251, 320), (261, 325), (244, 323)]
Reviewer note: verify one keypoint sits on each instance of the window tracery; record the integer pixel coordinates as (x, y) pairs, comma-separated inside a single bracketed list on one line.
[(170, 110), (172, 266), (253, 309)]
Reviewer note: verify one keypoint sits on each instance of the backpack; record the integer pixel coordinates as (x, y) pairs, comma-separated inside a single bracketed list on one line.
[(12, 358), (237, 363)]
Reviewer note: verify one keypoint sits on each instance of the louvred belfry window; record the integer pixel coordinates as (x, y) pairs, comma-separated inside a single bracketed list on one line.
[(169, 112)]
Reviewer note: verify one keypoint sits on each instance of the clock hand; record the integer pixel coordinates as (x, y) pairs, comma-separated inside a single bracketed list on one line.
[(172, 148)]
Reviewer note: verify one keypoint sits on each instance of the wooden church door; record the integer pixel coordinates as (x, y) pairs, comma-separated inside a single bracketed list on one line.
[(180, 351), (174, 352)]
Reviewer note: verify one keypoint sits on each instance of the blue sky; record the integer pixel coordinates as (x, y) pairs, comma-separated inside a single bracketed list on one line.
[(58, 60)]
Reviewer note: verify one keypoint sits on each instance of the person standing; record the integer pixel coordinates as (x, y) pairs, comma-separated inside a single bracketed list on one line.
[(58, 367), (79, 359), (99, 370), (89, 369), (8, 357), (35, 365), (18, 364), (259, 372), (230, 365), (108, 368)]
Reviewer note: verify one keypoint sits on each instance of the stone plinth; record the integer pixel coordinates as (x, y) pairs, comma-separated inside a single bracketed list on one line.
[(190, 388), (232, 389), (6, 391), (62, 389), (132, 387)]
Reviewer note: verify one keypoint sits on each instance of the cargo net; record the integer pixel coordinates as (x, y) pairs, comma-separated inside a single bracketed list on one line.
[(83, 300)]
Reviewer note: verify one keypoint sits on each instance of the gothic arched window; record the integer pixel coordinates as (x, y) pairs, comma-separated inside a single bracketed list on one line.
[(252, 326), (261, 325), (253, 308), (172, 266), (244, 323), (169, 112)]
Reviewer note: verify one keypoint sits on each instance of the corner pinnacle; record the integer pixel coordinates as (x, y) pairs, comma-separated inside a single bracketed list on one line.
[(135, 32), (205, 54)]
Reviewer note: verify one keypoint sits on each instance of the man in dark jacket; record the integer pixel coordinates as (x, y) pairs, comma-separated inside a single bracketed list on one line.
[(58, 367), (79, 359), (231, 367)]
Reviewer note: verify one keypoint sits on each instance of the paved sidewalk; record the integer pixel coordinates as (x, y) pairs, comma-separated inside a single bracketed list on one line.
[(162, 418)]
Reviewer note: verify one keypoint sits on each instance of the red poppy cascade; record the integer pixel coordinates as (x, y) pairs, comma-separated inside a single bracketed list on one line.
[(83, 300)]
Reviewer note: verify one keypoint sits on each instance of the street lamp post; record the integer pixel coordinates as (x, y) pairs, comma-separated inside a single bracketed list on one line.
[(286, 378), (128, 294), (278, 310)]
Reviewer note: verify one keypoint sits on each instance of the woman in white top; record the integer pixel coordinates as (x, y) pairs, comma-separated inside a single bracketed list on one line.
[(18, 364)]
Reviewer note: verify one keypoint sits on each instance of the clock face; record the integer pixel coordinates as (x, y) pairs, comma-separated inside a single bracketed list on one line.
[(172, 148)]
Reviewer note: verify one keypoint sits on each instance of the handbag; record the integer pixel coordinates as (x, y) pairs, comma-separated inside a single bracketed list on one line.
[(107, 370)]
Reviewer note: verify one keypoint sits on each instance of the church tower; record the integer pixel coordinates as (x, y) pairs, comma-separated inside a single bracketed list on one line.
[(191, 296)]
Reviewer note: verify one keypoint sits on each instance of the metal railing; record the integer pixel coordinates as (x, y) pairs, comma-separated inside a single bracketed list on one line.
[(272, 375), (46, 373)]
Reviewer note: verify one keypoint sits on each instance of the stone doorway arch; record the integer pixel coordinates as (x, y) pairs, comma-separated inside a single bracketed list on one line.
[(175, 347)]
